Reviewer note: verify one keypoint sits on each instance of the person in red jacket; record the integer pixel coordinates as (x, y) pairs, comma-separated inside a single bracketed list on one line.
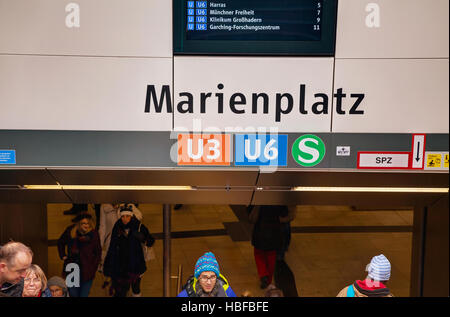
[(82, 243)]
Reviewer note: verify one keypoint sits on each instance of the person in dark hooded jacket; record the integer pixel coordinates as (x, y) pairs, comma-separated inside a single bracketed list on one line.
[(267, 239), (125, 262)]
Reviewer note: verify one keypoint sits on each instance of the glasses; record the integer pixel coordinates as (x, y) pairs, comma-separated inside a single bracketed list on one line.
[(207, 278), (30, 280)]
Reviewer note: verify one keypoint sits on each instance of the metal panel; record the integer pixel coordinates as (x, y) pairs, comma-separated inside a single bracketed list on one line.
[(352, 179), (156, 177), (86, 27), (81, 93), (33, 196), (407, 29), (109, 150), (374, 200), (401, 96), (25, 177), (435, 265), (239, 197), (26, 223), (90, 148)]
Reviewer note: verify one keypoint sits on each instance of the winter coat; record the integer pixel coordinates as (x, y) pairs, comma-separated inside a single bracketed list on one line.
[(108, 218), (46, 293), (125, 254), (361, 289), (190, 289), (12, 290), (267, 232), (84, 250)]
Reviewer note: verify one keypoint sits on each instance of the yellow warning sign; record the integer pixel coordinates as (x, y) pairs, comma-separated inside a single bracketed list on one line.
[(434, 160), (446, 160)]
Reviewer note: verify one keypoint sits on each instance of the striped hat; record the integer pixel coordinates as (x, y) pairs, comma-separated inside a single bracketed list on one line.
[(379, 268), (207, 262)]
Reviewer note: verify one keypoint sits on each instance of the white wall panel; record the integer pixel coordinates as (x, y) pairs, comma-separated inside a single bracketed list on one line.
[(106, 27), (81, 93), (250, 75), (407, 29), (401, 95)]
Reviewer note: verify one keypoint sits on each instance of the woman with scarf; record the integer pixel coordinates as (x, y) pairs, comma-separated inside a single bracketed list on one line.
[(82, 243), (125, 262)]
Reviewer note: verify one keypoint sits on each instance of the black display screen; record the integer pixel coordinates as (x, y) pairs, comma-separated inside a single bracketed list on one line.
[(293, 27)]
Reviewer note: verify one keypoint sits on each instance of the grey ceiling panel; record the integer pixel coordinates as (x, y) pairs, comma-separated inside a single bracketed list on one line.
[(349, 179), (374, 200), (156, 177), (33, 196), (217, 197), (25, 177), (215, 186)]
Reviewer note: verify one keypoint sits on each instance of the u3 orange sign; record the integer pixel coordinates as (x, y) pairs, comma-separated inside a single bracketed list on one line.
[(204, 149)]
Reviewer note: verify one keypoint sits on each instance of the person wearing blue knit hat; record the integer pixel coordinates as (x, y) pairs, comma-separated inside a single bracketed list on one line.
[(379, 272), (207, 280)]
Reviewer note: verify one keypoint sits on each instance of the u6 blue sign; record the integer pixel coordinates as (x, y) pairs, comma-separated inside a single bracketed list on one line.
[(260, 150)]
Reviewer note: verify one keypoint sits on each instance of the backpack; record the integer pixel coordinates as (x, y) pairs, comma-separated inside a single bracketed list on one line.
[(350, 291)]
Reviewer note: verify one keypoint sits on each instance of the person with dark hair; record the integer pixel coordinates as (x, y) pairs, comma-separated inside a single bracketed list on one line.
[(82, 243), (15, 259), (207, 280), (125, 262)]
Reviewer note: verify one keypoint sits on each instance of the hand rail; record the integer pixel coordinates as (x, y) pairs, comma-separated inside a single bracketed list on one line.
[(179, 278)]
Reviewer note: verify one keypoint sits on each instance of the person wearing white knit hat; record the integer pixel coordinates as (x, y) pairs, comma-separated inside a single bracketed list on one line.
[(379, 272), (379, 268), (125, 261)]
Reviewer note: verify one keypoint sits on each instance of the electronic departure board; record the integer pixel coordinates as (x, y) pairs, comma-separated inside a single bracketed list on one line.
[(255, 27)]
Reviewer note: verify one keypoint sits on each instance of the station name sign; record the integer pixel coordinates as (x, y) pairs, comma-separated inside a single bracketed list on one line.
[(278, 104)]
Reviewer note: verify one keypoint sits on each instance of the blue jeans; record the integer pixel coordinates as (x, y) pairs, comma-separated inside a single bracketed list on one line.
[(82, 291)]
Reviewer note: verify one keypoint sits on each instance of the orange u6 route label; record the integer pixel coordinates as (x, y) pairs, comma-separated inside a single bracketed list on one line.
[(204, 149)]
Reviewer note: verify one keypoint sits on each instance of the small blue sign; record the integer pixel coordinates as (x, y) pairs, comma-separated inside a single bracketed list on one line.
[(190, 4), (7, 157), (202, 12), (190, 26), (201, 27), (191, 12), (191, 19), (202, 19), (202, 4), (261, 149)]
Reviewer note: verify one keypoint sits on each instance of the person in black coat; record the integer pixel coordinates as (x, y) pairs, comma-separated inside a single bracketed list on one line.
[(267, 239), (124, 262)]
